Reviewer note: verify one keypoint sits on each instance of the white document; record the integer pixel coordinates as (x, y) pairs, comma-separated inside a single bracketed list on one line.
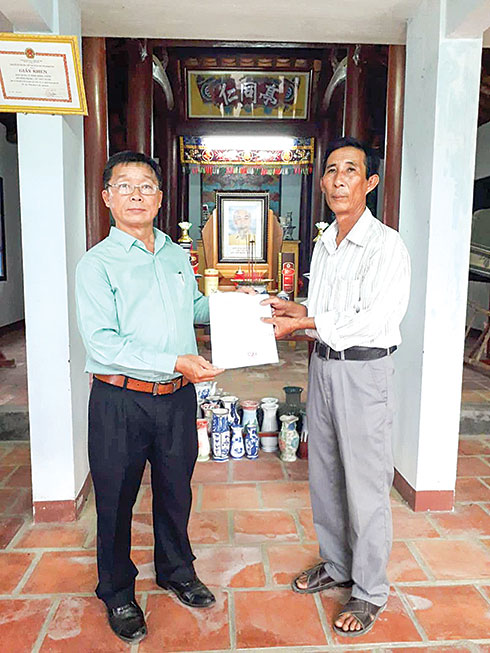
[(238, 336)]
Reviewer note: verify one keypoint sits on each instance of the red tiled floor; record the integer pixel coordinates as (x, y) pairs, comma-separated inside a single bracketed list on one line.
[(63, 571), (472, 466), (13, 566), (219, 497), (174, 627), (143, 502), (80, 624), (393, 625), (471, 489), (454, 559), (8, 497), (288, 495), (257, 526), (143, 559), (210, 472), (56, 536), (277, 618), (142, 530), (9, 527), (235, 566), (23, 502), (288, 560), (450, 612), (402, 566), (472, 447), (208, 527), (257, 470), (306, 520), (21, 477), (468, 520), (5, 471), (19, 455), (297, 471), (20, 623), (408, 525)]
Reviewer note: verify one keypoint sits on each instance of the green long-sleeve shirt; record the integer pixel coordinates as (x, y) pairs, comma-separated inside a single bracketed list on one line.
[(135, 309)]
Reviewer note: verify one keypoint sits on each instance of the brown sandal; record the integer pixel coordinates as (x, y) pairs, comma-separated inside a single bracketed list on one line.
[(317, 580), (364, 612)]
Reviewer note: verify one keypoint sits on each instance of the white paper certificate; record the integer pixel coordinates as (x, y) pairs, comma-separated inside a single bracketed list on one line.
[(41, 74), (238, 336)]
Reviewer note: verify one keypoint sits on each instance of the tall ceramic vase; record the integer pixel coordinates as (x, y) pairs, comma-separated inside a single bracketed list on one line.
[(202, 440), (269, 422), (230, 402), (249, 412), (293, 395), (237, 449), (220, 435), (288, 438), (251, 441)]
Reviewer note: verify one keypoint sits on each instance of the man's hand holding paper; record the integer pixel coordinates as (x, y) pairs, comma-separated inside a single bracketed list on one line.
[(239, 338)]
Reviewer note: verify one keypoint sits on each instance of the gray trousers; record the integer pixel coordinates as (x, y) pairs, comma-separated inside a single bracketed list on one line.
[(350, 416)]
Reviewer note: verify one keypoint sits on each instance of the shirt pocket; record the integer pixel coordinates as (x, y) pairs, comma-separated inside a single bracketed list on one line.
[(178, 284), (344, 295)]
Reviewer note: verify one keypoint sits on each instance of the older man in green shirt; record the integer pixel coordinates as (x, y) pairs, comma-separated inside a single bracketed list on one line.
[(137, 301)]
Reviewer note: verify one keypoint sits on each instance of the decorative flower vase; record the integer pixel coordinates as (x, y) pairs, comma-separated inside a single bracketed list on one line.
[(207, 413), (303, 439), (269, 423), (237, 449), (203, 391), (288, 438), (268, 442), (249, 412), (220, 434), (202, 440), (251, 441), (293, 395), (230, 402)]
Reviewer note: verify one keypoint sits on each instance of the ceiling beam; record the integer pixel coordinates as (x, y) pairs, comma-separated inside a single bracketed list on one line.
[(29, 15), (467, 18)]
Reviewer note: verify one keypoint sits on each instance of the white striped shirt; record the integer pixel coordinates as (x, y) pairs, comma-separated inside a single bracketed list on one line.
[(359, 291)]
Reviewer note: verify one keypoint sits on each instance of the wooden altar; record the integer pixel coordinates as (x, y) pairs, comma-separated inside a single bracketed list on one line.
[(208, 254)]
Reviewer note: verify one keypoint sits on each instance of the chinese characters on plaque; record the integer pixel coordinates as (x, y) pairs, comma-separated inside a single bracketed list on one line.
[(247, 94)]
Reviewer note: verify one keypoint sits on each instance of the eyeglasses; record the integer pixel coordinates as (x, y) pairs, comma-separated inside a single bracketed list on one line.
[(128, 189)]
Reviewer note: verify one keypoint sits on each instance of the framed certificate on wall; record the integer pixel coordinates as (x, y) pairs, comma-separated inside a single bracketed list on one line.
[(41, 74)]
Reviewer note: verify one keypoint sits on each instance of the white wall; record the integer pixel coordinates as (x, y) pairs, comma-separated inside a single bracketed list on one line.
[(441, 101), (11, 290)]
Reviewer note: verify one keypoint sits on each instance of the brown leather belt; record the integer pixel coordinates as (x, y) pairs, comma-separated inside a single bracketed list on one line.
[(121, 381)]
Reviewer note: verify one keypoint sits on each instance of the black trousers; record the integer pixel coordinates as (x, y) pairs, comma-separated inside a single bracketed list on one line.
[(127, 428)]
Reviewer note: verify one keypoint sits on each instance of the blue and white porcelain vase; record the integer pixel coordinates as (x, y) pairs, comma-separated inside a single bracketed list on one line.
[(230, 402), (288, 438), (251, 441), (237, 449), (220, 435)]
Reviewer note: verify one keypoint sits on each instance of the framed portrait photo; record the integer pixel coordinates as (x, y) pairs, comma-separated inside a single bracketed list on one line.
[(242, 226)]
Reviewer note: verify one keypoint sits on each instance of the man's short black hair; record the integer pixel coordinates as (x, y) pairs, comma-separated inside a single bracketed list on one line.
[(130, 157), (370, 157)]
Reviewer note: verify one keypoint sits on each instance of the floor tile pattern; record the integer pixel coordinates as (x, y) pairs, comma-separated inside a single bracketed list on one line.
[(252, 532), (250, 538)]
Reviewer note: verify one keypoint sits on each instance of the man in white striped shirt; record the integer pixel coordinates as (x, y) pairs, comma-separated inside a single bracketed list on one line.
[(358, 295)]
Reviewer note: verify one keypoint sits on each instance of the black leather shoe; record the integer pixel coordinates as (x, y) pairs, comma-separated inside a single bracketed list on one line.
[(128, 622), (193, 593)]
